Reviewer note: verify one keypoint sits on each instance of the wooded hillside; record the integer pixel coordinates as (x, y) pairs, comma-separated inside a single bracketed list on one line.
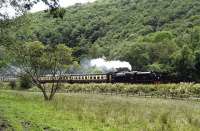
[(153, 35)]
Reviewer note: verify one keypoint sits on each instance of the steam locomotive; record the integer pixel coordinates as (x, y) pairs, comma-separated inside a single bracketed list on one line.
[(112, 77), (119, 76)]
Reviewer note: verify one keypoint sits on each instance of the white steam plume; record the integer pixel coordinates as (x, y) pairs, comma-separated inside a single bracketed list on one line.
[(105, 65)]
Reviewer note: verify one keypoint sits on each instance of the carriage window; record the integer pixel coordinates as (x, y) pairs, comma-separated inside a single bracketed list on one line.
[(105, 77)]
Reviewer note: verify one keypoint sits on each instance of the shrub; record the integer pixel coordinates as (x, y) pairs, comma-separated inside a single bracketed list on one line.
[(164, 90), (12, 84), (25, 82)]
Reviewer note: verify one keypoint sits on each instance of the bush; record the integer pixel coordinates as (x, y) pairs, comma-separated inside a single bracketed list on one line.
[(12, 84), (25, 82), (183, 90)]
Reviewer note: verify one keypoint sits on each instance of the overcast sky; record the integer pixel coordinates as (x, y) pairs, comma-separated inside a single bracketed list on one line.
[(64, 3), (41, 6)]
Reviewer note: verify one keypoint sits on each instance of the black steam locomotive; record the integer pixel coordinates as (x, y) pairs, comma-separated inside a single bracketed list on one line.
[(112, 77)]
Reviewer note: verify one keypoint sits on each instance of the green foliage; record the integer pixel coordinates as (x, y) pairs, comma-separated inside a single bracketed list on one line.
[(184, 62), (154, 90), (151, 35), (36, 60), (25, 82), (156, 67), (3, 57), (159, 36), (38, 57), (58, 12)]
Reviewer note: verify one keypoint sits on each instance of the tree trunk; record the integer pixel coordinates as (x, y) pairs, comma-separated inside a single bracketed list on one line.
[(51, 96), (52, 93), (45, 94), (46, 98)]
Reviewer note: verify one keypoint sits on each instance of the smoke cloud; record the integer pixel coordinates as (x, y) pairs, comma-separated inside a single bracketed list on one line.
[(105, 65), (99, 65)]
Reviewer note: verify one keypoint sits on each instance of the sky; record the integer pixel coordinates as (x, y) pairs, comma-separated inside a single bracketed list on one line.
[(41, 6), (63, 3)]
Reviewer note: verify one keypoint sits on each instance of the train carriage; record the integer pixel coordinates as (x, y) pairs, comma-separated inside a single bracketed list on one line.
[(113, 77)]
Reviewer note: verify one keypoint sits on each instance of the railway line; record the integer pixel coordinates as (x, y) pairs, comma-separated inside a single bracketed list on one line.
[(112, 77)]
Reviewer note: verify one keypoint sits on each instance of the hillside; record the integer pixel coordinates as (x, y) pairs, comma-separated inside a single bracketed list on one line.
[(156, 35)]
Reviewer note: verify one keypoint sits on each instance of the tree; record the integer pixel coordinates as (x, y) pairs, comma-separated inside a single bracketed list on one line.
[(5, 58), (138, 56), (36, 60), (19, 9), (22, 6), (197, 64), (13, 16), (184, 63), (25, 82), (2, 57)]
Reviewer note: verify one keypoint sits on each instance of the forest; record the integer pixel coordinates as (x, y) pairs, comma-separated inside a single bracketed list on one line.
[(153, 35)]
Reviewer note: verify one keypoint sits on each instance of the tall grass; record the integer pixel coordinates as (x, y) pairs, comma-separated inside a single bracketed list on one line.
[(86, 112), (125, 114)]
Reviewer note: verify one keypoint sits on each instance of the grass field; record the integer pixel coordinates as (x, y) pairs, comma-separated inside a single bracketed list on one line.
[(23, 111)]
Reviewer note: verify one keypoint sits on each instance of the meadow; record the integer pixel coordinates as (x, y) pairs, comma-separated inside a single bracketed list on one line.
[(27, 111)]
